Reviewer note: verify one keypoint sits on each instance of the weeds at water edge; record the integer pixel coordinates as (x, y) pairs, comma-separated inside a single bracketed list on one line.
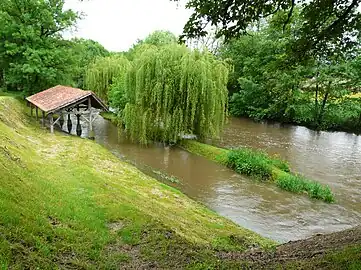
[(261, 166), (252, 163), (299, 184)]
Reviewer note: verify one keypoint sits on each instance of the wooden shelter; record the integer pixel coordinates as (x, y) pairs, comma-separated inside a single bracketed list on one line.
[(64, 101)]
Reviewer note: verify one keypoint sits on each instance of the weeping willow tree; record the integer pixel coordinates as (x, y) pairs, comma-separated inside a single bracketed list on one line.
[(171, 91), (102, 73)]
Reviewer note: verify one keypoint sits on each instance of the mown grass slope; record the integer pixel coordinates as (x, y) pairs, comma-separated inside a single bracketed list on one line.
[(67, 202)]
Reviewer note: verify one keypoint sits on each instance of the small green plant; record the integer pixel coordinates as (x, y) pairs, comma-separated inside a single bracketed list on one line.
[(250, 163), (254, 163), (259, 165), (299, 184)]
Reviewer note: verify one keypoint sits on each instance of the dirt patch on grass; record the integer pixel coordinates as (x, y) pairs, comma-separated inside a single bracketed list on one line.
[(132, 256), (115, 226), (301, 250)]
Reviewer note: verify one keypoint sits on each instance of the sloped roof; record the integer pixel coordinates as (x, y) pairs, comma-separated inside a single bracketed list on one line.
[(59, 97)]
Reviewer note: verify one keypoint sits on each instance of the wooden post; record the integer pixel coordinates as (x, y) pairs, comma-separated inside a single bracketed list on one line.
[(43, 113), (61, 120), (51, 123), (69, 124), (31, 109), (37, 113), (90, 123), (78, 126)]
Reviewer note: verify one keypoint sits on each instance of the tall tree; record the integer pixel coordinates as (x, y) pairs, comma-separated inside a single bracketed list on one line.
[(101, 74), (84, 53), (33, 54), (325, 21), (157, 38), (172, 90)]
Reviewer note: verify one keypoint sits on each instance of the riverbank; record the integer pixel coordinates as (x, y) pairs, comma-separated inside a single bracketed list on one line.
[(351, 126), (262, 167), (81, 207)]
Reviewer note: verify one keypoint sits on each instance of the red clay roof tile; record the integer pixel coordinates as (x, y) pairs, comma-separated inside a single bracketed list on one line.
[(59, 97)]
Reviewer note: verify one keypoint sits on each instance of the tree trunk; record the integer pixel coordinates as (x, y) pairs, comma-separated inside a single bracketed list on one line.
[(316, 104), (322, 110)]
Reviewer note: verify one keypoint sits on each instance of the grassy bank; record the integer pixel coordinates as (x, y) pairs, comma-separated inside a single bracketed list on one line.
[(262, 167), (67, 202)]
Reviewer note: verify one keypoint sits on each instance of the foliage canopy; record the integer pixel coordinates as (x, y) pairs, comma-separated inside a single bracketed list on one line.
[(325, 21), (100, 74), (33, 55), (172, 90)]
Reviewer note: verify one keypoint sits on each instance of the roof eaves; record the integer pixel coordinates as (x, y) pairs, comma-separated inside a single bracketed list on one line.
[(68, 103)]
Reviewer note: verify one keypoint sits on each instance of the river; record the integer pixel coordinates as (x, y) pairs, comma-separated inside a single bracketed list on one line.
[(332, 158)]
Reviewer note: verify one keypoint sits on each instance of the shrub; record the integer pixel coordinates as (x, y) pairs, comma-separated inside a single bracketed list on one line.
[(253, 163), (299, 184)]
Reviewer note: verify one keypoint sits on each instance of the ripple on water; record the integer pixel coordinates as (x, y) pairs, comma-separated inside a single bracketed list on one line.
[(331, 158)]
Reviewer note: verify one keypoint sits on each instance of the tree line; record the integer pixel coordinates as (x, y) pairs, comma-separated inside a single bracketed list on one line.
[(33, 53), (163, 89)]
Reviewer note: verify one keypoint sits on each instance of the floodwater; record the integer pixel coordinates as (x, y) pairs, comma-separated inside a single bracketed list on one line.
[(332, 158)]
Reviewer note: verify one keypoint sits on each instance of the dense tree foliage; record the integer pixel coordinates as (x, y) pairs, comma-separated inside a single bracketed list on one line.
[(171, 91), (101, 74), (268, 84), (164, 92), (84, 53), (33, 56), (33, 53), (157, 38), (324, 21)]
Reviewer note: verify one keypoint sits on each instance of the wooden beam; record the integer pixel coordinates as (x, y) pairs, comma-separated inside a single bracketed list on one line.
[(56, 121), (31, 109), (37, 113), (51, 123), (43, 113)]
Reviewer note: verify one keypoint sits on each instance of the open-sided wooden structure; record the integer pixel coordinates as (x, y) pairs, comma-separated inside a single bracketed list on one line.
[(65, 101)]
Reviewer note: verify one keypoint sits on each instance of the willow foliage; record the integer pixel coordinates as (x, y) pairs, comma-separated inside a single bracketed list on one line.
[(102, 73), (171, 91)]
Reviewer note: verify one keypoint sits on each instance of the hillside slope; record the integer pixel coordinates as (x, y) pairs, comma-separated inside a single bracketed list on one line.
[(68, 202)]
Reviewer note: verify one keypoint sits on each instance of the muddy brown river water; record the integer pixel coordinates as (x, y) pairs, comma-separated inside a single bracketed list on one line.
[(333, 158)]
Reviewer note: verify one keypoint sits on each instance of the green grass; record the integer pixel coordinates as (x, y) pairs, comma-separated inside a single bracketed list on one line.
[(259, 165), (67, 202), (16, 94), (299, 184), (253, 163)]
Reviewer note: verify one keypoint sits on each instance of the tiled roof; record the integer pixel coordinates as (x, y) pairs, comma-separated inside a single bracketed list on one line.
[(59, 97)]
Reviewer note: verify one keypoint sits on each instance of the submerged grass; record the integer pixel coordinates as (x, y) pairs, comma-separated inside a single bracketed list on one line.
[(259, 165), (67, 202)]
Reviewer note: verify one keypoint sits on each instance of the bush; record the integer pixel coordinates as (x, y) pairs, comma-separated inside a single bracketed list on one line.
[(299, 184), (253, 163)]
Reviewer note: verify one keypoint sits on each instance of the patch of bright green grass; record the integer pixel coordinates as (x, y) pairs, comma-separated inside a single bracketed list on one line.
[(67, 202), (254, 163), (259, 165), (299, 184)]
